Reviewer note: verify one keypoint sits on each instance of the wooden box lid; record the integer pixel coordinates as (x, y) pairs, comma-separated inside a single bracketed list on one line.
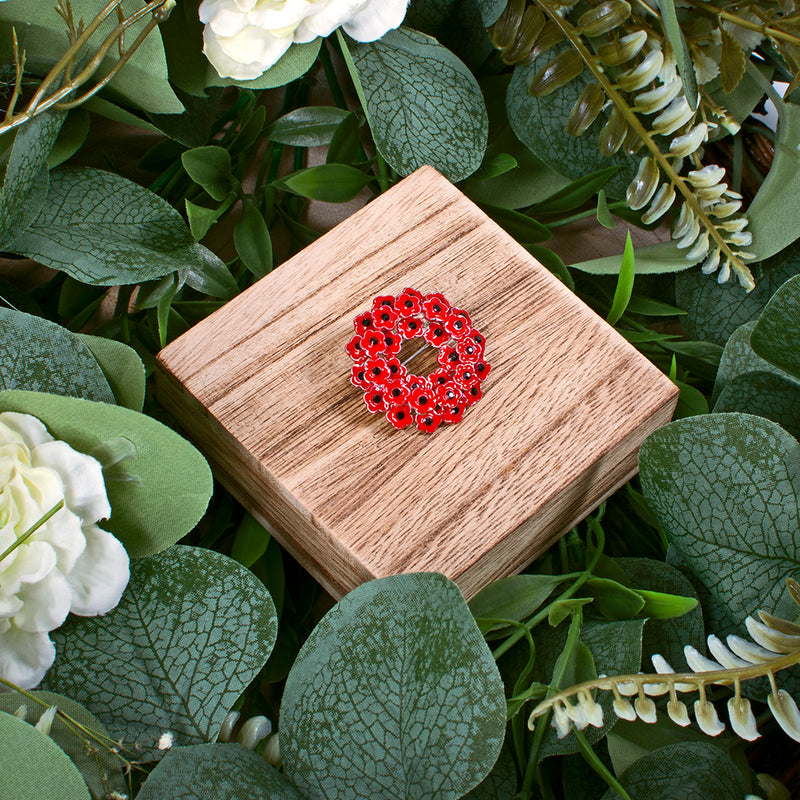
[(263, 387)]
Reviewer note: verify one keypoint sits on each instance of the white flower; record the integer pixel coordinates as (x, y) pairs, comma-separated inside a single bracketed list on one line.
[(68, 564), (244, 38)]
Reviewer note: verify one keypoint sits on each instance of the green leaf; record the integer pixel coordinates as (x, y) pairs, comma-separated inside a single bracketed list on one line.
[(251, 541), (423, 104), (103, 229), (776, 336), (604, 216), (26, 179), (175, 481), (207, 273), (613, 600), (539, 123), (310, 126), (252, 240), (775, 211), (683, 59), (522, 227), (731, 61), (490, 10), (329, 183), (101, 769), (723, 488), (691, 771), (765, 394), (553, 262), (515, 597), (576, 193), (691, 401), (624, 288), (394, 695), (143, 80), (648, 307), (200, 218), (210, 167), (219, 771), (122, 367), (653, 259), (70, 138), (191, 631), (715, 310), (40, 356), (33, 766), (500, 783), (345, 145), (495, 165)]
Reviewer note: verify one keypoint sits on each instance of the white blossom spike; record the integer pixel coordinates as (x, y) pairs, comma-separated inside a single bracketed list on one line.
[(678, 713), (700, 248), (643, 73), (561, 722), (723, 655), (576, 715), (645, 709), (674, 116), (698, 662), (21, 712), (253, 731), (228, 724), (742, 719), (733, 225), (684, 222), (741, 239), (662, 201), (770, 638), (626, 48), (778, 624), (711, 263), (655, 689), (662, 667), (748, 650), (712, 193), (690, 236), (592, 710), (644, 184), (707, 176), (45, 722), (733, 195), (688, 143), (658, 98), (724, 273), (623, 709), (784, 709), (627, 688), (707, 718)]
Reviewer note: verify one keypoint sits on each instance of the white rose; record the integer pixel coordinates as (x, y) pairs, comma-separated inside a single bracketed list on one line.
[(69, 564), (244, 38)]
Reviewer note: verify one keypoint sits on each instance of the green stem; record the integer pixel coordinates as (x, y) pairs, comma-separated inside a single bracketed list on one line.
[(35, 527), (593, 760), (330, 74), (590, 212), (575, 41), (763, 28)]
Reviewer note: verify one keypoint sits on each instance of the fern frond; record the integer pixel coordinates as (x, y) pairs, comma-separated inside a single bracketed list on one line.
[(775, 646)]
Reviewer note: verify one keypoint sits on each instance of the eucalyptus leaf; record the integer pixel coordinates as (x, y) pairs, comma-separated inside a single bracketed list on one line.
[(40, 356), (310, 126), (25, 180), (539, 123), (218, 771), (191, 631), (43, 33), (103, 229), (652, 259), (500, 783), (776, 335), (393, 695), (765, 394), (174, 482), (423, 104), (490, 10), (715, 310), (101, 769), (33, 766), (775, 211), (723, 488), (691, 771)]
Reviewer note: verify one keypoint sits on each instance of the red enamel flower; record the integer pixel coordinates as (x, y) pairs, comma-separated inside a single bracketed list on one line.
[(389, 388)]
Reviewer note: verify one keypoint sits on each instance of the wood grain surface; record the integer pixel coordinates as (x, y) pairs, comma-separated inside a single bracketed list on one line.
[(263, 388)]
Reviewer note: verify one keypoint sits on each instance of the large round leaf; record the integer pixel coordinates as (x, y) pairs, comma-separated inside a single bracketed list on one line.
[(394, 695), (101, 769), (40, 356), (171, 483), (725, 487), (218, 771), (33, 766), (191, 631)]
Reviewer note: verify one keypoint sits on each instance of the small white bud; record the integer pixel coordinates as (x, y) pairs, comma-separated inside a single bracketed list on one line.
[(707, 718), (707, 176)]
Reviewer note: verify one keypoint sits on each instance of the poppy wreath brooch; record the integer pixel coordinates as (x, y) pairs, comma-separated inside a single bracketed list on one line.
[(389, 387)]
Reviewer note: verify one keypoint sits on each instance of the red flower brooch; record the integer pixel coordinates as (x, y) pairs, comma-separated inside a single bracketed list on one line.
[(389, 388)]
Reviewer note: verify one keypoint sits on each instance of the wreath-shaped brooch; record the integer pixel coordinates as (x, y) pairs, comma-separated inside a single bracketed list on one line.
[(389, 388)]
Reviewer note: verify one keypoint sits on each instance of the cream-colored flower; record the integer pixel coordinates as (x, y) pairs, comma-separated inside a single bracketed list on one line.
[(244, 38), (68, 564)]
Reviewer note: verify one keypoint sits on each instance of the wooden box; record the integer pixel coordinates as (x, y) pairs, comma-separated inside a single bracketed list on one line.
[(263, 387)]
